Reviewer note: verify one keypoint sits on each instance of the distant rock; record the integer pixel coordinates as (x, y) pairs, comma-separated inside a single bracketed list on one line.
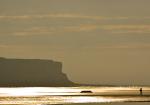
[(32, 73)]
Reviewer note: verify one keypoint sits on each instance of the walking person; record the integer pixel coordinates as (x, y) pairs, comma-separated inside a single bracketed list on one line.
[(141, 91)]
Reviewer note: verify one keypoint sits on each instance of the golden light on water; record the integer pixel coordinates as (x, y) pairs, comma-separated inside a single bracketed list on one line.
[(88, 99), (64, 95), (35, 91)]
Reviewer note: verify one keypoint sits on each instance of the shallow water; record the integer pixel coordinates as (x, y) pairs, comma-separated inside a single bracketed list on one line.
[(73, 95)]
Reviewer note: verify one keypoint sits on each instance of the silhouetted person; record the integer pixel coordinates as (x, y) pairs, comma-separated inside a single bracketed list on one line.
[(141, 91)]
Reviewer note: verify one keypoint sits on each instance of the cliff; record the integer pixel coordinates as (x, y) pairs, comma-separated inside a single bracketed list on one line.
[(32, 73)]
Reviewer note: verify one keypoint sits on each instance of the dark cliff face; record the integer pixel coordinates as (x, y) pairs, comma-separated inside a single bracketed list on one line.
[(31, 73)]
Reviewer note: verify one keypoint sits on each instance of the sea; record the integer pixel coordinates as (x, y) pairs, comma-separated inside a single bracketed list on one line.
[(84, 95)]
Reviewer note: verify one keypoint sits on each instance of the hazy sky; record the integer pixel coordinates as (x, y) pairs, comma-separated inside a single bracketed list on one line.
[(98, 41)]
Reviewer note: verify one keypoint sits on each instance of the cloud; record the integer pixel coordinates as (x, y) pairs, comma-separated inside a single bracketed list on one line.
[(45, 30), (131, 32), (34, 31), (80, 28), (9, 46), (117, 27), (138, 29), (121, 46), (89, 47), (73, 16), (131, 46), (84, 27), (31, 33), (127, 28), (30, 47), (96, 25), (68, 16), (3, 46), (38, 31)]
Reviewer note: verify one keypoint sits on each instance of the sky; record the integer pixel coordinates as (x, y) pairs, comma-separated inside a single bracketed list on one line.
[(98, 41)]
